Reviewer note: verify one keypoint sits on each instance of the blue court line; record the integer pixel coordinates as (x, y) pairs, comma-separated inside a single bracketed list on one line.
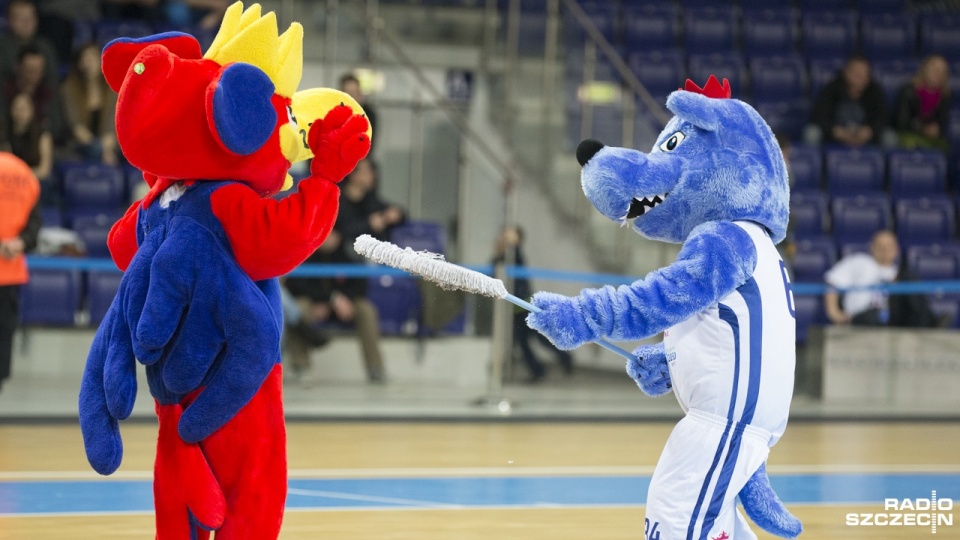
[(108, 496)]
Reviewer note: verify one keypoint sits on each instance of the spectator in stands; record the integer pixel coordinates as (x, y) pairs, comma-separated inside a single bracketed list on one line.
[(178, 13), (29, 141), (343, 299), (22, 32), (873, 307), (350, 84), (89, 106), (19, 225), (29, 80), (851, 109), (923, 106), (511, 240), (57, 20)]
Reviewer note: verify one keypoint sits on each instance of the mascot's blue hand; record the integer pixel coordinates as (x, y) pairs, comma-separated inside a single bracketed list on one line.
[(109, 386), (649, 370), (251, 350), (209, 325), (561, 320)]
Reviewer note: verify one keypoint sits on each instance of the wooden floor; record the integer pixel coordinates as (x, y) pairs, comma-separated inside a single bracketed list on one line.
[(341, 450)]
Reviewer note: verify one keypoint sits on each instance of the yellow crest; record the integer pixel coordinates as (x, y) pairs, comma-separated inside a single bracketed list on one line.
[(247, 36)]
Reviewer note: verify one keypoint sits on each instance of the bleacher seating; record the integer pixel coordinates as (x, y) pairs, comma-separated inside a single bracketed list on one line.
[(650, 26), (769, 32), (916, 173), (924, 221), (829, 34), (724, 66), (854, 171), (805, 168), (709, 30), (777, 79), (812, 260), (93, 230), (809, 312), (940, 34), (821, 72), (659, 71), (90, 189), (51, 297), (856, 219), (887, 35), (101, 288), (808, 214)]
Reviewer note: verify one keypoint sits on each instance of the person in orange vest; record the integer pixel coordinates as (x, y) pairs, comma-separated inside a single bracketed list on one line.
[(19, 225)]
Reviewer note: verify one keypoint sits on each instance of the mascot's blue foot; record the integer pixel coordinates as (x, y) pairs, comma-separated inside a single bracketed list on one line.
[(765, 509)]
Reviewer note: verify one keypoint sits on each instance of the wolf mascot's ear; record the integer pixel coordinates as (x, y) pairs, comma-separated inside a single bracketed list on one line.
[(239, 109), (700, 106), (119, 54)]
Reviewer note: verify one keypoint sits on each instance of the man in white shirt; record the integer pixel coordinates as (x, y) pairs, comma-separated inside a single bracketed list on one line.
[(873, 307)]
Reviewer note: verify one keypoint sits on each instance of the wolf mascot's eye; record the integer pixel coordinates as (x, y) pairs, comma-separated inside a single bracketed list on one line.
[(673, 142)]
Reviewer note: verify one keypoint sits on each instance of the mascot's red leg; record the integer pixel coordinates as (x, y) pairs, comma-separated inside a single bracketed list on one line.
[(187, 496), (248, 455)]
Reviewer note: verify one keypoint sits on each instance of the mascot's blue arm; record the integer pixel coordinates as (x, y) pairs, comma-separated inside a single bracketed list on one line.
[(716, 258)]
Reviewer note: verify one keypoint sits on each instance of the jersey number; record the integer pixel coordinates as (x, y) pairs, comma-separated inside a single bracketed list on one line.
[(789, 289)]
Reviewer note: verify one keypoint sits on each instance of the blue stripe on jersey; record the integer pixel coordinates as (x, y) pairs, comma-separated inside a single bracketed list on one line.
[(726, 314), (751, 295)]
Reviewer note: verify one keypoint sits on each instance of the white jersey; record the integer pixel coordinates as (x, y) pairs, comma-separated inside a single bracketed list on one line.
[(735, 359)]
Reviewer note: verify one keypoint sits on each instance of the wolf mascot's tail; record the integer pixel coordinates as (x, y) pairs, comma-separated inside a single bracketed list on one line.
[(765, 509)]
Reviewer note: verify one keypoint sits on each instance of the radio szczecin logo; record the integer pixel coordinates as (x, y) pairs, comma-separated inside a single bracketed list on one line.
[(932, 512)]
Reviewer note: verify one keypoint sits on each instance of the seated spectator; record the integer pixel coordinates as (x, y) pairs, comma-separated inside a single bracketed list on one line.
[(511, 238), (89, 106), (923, 106), (29, 80), (22, 32), (851, 109), (350, 84), (29, 141), (874, 307), (343, 299)]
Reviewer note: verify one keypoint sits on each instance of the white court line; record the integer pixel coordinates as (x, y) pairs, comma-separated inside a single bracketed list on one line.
[(371, 498), (536, 506), (443, 472)]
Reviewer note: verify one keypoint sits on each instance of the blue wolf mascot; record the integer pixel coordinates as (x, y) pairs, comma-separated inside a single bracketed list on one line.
[(715, 182)]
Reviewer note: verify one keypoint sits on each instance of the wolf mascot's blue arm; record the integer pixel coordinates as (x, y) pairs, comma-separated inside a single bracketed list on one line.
[(716, 162)]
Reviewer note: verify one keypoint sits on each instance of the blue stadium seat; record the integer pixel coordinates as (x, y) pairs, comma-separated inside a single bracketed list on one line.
[(51, 216), (891, 75), (812, 260), (777, 79), (602, 14), (881, 7), (709, 30), (761, 5), (948, 307), (821, 6), (854, 171), (856, 219), (397, 300), (93, 230), (822, 71), (650, 27), (808, 214), (924, 221), (828, 34), (809, 312), (110, 30), (420, 236), (102, 286), (661, 72), (769, 33), (940, 34), (916, 173), (805, 168), (888, 35), (915, 253), (936, 267), (92, 188), (51, 297), (729, 66), (785, 118)]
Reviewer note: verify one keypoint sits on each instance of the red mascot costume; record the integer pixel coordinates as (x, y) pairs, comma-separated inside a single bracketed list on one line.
[(199, 303)]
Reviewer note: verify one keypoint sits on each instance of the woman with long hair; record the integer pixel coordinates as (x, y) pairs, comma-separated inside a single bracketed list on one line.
[(89, 105), (923, 106)]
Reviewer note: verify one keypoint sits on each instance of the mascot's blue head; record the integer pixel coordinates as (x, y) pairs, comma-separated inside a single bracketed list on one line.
[(715, 160)]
